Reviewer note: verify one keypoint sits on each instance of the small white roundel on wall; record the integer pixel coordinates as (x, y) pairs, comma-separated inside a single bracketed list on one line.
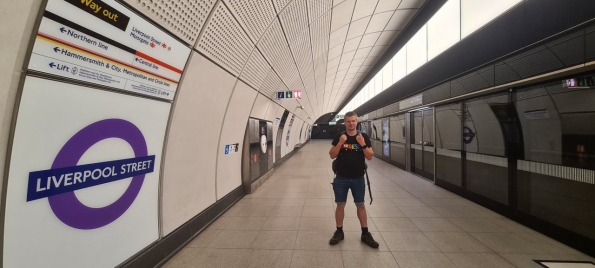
[(263, 144)]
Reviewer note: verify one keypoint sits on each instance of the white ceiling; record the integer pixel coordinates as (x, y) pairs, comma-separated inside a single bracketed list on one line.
[(322, 47)]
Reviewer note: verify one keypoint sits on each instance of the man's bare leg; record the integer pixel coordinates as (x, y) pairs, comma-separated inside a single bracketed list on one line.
[(362, 215), (363, 221), (340, 214)]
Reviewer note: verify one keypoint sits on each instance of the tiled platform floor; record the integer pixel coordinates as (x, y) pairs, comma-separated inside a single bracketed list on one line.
[(289, 221)]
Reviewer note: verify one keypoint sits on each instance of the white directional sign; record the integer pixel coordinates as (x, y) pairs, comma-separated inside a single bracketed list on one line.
[(103, 42)]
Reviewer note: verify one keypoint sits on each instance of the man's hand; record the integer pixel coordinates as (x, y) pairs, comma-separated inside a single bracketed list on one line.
[(334, 152), (343, 139), (360, 139)]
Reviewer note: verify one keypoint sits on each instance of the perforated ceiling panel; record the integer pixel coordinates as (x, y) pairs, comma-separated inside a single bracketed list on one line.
[(469, 83), (286, 67), (320, 68), (302, 52), (319, 31), (294, 19), (271, 84), (184, 18), (280, 4), (590, 43), (310, 85), (318, 7), (224, 41), (322, 47), (569, 49), (533, 62), (255, 70), (255, 15), (437, 93), (273, 43)]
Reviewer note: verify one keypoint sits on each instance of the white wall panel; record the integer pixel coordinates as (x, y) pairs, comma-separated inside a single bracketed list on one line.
[(278, 114), (302, 133), (271, 113), (17, 21), (284, 146), (261, 105), (292, 135), (189, 170), (80, 126), (229, 167), (295, 132)]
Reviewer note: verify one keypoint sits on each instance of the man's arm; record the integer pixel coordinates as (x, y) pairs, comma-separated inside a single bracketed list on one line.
[(369, 153), (364, 140), (335, 150)]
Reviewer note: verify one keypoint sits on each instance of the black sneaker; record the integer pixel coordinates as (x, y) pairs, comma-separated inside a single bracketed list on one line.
[(338, 236), (368, 239)]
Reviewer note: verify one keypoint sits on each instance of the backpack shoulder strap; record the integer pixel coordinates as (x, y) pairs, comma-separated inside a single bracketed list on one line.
[(341, 150)]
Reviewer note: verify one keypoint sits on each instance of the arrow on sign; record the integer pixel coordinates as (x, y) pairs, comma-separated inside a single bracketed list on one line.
[(56, 49), (62, 30), (52, 65)]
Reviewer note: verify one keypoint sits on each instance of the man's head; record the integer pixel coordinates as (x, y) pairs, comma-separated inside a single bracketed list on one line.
[(350, 121)]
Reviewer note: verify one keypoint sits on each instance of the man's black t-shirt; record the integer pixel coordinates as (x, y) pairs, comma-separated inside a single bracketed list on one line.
[(351, 159)]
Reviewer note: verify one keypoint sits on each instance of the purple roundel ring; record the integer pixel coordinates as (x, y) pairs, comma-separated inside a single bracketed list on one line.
[(66, 206)]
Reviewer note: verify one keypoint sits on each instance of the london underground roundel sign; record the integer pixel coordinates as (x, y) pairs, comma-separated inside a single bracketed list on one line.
[(65, 176)]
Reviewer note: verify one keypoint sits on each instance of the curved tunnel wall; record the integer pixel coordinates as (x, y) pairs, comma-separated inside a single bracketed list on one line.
[(211, 109)]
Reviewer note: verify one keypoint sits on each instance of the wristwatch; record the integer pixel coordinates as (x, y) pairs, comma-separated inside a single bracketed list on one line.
[(364, 147)]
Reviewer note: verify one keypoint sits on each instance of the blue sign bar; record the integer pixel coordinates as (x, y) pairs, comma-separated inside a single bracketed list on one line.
[(46, 183)]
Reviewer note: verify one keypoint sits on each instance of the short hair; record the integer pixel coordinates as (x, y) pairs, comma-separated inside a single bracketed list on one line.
[(350, 114)]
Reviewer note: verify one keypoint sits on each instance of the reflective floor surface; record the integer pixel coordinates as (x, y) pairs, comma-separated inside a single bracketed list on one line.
[(288, 223)]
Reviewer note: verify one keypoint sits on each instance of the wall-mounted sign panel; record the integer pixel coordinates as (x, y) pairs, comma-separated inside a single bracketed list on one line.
[(587, 81), (468, 135), (296, 94), (84, 175), (537, 114), (105, 43), (411, 102), (232, 148)]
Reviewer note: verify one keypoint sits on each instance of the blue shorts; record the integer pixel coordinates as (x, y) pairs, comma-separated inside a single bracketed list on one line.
[(341, 186)]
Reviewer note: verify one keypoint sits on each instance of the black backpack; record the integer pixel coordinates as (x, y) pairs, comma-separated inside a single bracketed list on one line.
[(334, 166)]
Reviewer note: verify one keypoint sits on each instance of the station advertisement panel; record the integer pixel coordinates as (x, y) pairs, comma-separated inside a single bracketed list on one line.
[(84, 174), (105, 43)]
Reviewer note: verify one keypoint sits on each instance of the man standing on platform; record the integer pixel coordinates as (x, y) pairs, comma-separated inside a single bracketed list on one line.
[(351, 149)]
